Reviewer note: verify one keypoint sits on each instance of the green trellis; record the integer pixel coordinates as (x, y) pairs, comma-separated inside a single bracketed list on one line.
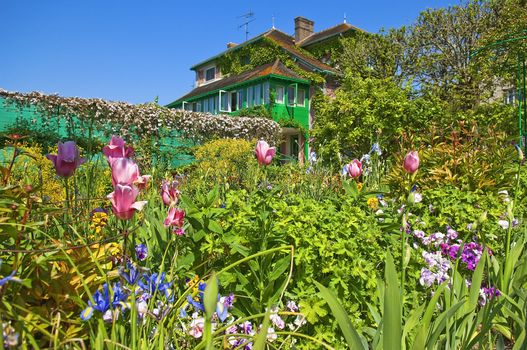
[(521, 73)]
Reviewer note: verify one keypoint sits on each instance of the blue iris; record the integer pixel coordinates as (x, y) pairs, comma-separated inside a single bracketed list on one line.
[(11, 277), (155, 282), (102, 303), (133, 276)]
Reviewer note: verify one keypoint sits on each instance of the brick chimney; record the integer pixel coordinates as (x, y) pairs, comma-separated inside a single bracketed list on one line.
[(230, 45), (303, 28)]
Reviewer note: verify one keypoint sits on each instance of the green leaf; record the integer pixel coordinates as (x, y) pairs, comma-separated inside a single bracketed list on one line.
[(420, 339), (215, 227), (350, 334), (392, 307), (280, 267), (261, 338)]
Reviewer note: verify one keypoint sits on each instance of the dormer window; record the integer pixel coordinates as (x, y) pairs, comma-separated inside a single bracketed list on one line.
[(210, 74)]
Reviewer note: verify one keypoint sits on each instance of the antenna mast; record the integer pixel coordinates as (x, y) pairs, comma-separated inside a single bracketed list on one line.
[(248, 17)]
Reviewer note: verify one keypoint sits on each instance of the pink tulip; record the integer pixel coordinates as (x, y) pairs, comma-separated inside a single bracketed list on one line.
[(67, 159), (123, 201), (355, 168), (170, 193), (117, 149), (264, 153), (174, 217), (411, 162), (126, 172)]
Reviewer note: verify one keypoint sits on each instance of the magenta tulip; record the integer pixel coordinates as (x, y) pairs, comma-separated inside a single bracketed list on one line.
[(174, 217), (264, 153), (170, 193), (126, 172), (355, 168), (67, 159), (117, 149), (123, 201), (411, 162)]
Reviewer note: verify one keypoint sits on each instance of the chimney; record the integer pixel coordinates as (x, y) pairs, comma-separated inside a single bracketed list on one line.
[(230, 45), (303, 28)]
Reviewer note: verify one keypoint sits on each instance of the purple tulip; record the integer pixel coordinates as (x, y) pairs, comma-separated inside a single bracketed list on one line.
[(411, 162), (67, 159), (264, 153)]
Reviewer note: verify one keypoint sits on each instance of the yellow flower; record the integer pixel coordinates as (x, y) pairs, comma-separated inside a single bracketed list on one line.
[(359, 186), (373, 203), (99, 219)]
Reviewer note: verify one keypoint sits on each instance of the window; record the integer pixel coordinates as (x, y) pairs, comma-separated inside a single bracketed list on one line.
[(291, 95), (234, 101), (224, 101), (210, 74), (279, 94), (300, 97), (266, 92), (212, 105), (241, 97), (258, 95), (250, 95), (206, 105)]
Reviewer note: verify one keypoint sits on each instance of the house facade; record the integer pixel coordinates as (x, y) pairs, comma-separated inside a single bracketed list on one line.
[(273, 73)]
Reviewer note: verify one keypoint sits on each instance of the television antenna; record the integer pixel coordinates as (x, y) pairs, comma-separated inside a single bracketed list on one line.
[(248, 17)]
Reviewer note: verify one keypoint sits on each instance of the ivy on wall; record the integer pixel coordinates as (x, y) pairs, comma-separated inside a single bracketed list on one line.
[(259, 53)]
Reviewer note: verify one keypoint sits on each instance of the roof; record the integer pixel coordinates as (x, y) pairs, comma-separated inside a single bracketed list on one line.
[(275, 68), (287, 42), (327, 33)]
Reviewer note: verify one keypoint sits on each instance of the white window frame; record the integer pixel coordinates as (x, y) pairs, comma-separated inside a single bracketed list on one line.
[(220, 104), (283, 94), (302, 100)]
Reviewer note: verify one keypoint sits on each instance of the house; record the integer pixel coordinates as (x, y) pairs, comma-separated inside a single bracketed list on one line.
[(273, 73)]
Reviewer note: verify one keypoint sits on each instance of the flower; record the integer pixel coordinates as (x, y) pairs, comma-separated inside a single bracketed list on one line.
[(354, 169), (170, 193), (174, 217), (519, 151), (291, 306), (196, 327), (134, 273), (117, 149), (126, 172), (10, 278), (155, 282), (123, 201), (376, 148), (411, 162), (264, 153), (99, 219), (141, 251), (373, 203), (67, 159), (504, 224), (103, 304)]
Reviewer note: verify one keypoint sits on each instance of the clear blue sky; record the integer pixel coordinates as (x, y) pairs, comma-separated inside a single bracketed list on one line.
[(133, 50)]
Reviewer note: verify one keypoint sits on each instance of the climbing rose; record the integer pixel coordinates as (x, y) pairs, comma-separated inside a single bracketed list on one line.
[(411, 162), (67, 159), (264, 153)]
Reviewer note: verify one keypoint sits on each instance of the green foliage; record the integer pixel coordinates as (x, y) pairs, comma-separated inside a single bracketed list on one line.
[(366, 111), (262, 52)]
